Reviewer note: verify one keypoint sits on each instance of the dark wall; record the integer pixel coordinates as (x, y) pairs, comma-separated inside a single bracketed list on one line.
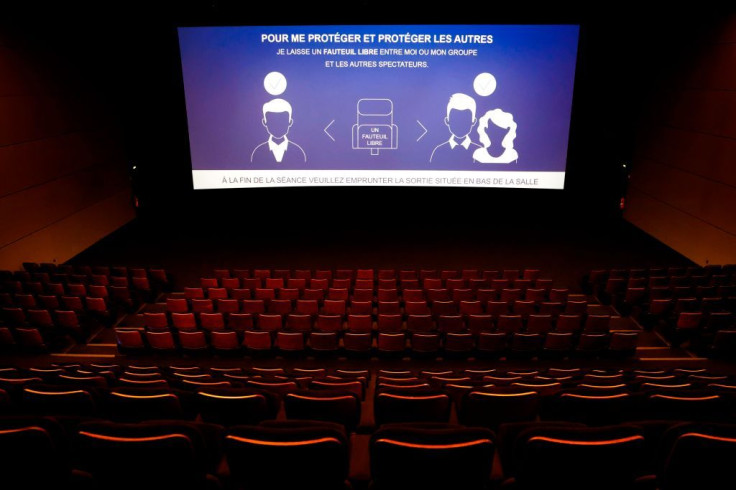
[(683, 184), (63, 177)]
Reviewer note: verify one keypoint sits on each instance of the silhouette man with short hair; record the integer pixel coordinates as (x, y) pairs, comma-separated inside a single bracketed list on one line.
[(277, 121), (460, 120)]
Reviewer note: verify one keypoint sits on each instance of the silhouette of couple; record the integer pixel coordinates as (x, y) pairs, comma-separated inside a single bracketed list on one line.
[(460, 120)]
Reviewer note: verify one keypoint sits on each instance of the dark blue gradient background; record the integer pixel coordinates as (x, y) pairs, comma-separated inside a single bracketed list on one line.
[(224, 68)]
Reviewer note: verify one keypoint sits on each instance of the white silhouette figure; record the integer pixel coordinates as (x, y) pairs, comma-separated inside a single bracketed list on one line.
[(278, 148), (504, 120), (460, 120)]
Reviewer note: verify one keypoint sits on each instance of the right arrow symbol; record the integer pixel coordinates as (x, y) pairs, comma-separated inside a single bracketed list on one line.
[(425, 130)]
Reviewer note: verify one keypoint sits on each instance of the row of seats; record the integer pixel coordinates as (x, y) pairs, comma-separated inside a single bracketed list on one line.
[(451, 344), (574, 374), (354, 274), (123, 297), (232, 398), (188, 455), (138, 279), (52, 325), (67, 272), (367, 307), (366, 323), (610, 285), (599, 276), (537, 295), (230, 283), (639, 306)]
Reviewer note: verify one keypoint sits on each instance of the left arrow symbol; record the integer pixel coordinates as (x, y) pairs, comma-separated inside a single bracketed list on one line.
[(327, 127)]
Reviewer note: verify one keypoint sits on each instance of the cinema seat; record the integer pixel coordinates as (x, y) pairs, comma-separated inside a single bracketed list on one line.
[(391, 344), (161, 341), (288, 454), (212, 321), (68, 321), (425, 344), (360, 323), (7, 341), (41, 319), (177, 305), (240, 322), (479, 323), (541, 324), (492, 345), (623, 344), (431, 456), (392, 407), (492, 407), (323, 343), (193, 343), (509, 324), (236, 406), (609, 458), (450, 324), (591, 344), (597, 324), (419, 323), (30, 340), (526, 345), (290, 343), (557, 345), (34, 453), (130, 341), (414, 295), (306, 306), (361, 307), (340, 407), (357, 344), (387, 295), (134, 404), (334, 307), (328, 323), (55, 400), (458, 345), (225, 342), (269, 322), (698, 455), (389, 323), (351, 385), (162, 454), (693, 405), (584, 406)]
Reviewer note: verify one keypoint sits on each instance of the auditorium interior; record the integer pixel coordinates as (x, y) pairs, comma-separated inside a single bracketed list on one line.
[(364, 337)]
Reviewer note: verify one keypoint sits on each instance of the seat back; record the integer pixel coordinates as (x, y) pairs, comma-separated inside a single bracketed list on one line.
[(397, 407), (236, 406), (147, 455), (342, 407), (579, 457), (491, 408), (34, 453), (290, 454), (698, 456), (431, 456)]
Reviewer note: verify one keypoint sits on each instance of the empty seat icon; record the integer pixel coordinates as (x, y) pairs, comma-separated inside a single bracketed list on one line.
[(375, 129)]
